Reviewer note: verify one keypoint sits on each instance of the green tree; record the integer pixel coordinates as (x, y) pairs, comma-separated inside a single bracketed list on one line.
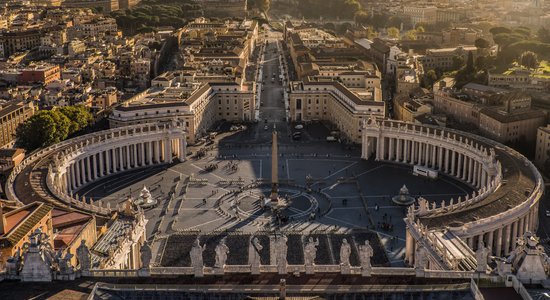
[(43, 129), (458, 62), (470, 68), (430, 78), (411, 35), (543, 35), (482, 43), (79, 117), (362, 17), (393, 32), (497, 30), (529, 60)]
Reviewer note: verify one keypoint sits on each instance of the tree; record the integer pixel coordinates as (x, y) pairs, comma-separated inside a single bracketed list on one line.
[(43, 129), (393, 32), (362, 17), (482, 43), (410, 35), (430, 78), (529, 60), (470, 63), (497, 30), (543, 35), (458, 62), (48, 127), (79, 116)]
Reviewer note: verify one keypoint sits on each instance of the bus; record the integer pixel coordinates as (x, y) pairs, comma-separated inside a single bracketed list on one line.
[(425, 172)]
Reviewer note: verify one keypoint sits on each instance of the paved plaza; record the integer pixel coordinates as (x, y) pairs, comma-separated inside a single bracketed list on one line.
[(346, 192)]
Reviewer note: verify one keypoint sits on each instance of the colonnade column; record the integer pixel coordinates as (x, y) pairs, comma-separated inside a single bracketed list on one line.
[(73, 175), (514, 234), (406, 154), (507, 239), (434, 152), (143, 157), (390, 150), (108, 156), (490, 240), (135, 160), (157, 151), (101, 162), (128, 160), (498, 249), (95, 167), (88, 169), (453, 158), (427, 151), (150, 153)]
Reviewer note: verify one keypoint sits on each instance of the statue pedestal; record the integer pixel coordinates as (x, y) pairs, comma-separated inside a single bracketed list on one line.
[(199, 271), (144, 273), (218, 271), (255, 269), (310, 269), (345, 269)]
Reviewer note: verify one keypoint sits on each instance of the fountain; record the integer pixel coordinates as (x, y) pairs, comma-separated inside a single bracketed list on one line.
[(145, 200), (403, 198)]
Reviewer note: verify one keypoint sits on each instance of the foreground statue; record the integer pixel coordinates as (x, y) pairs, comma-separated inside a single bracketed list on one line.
[(310, 253), (482, 256), (146, 256), (221, 254), (254, 255), (345, 252), (365, 254), (84, 258), (196, 258), (282, 250)]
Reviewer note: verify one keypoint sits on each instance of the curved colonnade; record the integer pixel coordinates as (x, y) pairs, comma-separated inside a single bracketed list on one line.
[(507, 185), (55, 174)]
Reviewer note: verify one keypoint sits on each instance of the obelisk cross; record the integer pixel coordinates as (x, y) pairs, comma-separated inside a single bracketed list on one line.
[(274, 167)]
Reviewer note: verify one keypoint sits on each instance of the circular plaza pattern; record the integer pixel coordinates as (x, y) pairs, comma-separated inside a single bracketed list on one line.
[(326, 187)]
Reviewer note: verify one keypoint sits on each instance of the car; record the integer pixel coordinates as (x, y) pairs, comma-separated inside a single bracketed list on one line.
[(299, 127), (331, 139), (548, 213)]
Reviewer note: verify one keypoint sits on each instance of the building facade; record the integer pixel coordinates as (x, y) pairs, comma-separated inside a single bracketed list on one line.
[(333, 102), (12, 114)]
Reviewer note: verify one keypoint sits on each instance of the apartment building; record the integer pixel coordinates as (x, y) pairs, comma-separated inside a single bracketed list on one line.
[(12, 114)]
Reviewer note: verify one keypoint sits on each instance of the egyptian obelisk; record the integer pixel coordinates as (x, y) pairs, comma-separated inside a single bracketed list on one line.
[(274, 167)]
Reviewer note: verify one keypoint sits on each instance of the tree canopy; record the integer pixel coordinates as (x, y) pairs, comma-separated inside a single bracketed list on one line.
[(48, 127)]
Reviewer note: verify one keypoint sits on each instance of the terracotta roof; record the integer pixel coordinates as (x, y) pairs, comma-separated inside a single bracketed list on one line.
[(20, 224)]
